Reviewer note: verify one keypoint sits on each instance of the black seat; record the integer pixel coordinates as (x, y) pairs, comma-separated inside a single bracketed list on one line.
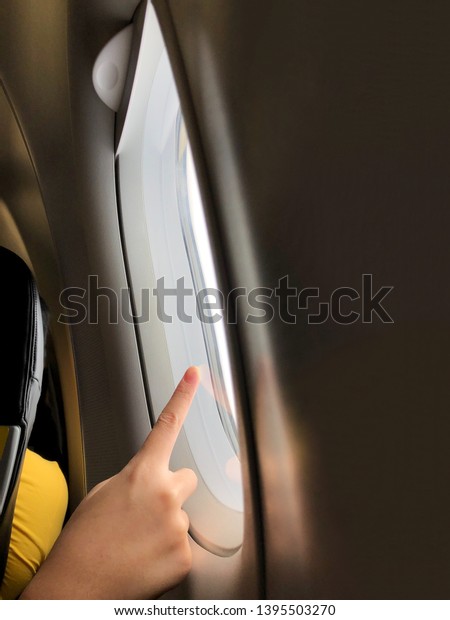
[(21, 367)]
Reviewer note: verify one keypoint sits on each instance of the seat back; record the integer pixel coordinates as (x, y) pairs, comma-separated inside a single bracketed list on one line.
[(21, 367)]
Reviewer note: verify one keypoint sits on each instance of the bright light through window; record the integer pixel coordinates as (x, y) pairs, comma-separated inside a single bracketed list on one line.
[(198, 248)]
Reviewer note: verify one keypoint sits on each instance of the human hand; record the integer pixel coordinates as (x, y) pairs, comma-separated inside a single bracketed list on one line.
[(128, 538)]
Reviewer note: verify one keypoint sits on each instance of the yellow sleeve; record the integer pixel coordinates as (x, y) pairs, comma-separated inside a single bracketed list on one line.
[(38, 518)]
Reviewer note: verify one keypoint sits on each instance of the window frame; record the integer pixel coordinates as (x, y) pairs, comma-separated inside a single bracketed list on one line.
[(215, 525)]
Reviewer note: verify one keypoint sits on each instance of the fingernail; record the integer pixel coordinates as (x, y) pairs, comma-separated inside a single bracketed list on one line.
[(192, 375)]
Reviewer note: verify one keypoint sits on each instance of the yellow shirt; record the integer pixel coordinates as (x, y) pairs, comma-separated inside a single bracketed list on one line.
[(38, 518)]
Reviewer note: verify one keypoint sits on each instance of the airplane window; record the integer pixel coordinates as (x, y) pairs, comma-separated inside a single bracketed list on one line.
[(183, 267), (169, 254)]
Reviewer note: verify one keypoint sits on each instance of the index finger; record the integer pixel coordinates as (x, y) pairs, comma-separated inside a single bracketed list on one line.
[(161, 440)]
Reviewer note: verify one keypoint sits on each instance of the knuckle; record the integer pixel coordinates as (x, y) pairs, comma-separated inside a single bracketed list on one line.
[(168, 420), (179, 532), (168, 497), (192, 478), (178, 527), (183, 524)]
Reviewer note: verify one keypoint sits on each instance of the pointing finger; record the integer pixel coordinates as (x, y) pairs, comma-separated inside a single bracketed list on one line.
[(160, 442)]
